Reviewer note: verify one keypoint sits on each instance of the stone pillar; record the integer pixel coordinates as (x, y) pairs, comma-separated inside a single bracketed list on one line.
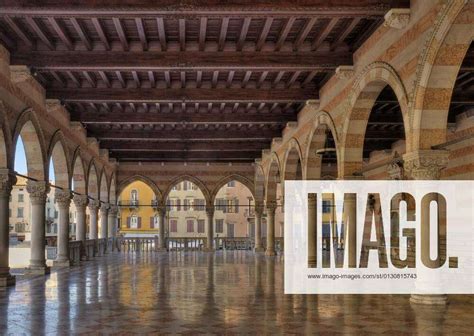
[(112, 223), (7, 180), (161, 228), (63, 200), (38, 191), (312, 230), (93, 209), (104, 210), (210, 229), (258, 228), (271, 208), (80, 202), (426, 165)]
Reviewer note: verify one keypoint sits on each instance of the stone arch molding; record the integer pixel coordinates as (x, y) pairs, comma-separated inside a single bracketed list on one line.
[(259, 185), (192, 179), (233, 177), (121, 186), (78, 172), (365, 90), (5, 138), (322, 119), (57, 152), (274, 172), (292, 147)]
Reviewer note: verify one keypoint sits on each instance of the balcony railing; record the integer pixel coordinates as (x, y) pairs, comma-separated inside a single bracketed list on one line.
[(130, 203), (234, 243), (185, 243)]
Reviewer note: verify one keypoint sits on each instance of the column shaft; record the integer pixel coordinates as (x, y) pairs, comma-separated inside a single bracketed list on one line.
[(80, 202), (270, 251), (161, 229), (38, 191), (7, 180), (210, 229), (63, 200), (93, 209), (258, 229), (312, 243)]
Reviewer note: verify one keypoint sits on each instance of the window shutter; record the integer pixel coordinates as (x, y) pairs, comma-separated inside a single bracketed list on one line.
[(139, 222), (152, 222), (178, 204), (236, 205), (128, 222)]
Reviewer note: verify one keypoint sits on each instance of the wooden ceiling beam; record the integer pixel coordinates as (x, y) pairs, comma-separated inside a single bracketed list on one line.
[(284, 33), (202, 33), (165, 146), (101, 33), (223, 33), (141, 33), (82, 34), (304, 33), (19, 31), (243, 33), (182, 34), (188, 156), (161, 33), (121, 34), (318, 41), (263, 34), (187, 61), (61, 33), (32, 23)]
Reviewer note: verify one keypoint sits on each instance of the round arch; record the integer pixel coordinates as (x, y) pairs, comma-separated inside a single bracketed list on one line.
[(192, 179), (5, 139), (233, 177), (57, 153), (123, 184), (437, 71), (364, 93), (92, 181), (272, 179), (78, 173), (316, 140), (27, 126)]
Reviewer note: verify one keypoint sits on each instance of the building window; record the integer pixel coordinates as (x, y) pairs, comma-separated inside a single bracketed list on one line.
[(135, 222), (19, 213), (134, 197), (173, 225), (326, 206), (199, 204), (55, 214), (231, 184), (178, 204), (190, 225), (186, 204), (201, 225), (219, 225), (21, 198)]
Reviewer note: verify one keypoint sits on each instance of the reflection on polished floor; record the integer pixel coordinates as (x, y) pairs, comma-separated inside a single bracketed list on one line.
[(232, 292)]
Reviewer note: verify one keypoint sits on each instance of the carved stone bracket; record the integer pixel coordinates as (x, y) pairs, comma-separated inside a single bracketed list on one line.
[(80, 201), (425, 164), (345, 72), (271, 207), (397, 18), (210, 210), (104, 207), (94, 205), (7, 181), (38, 191), (113, 210)]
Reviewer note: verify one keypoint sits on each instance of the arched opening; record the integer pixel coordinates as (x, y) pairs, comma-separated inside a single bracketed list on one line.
[(186, 210), (293, 166), (138, 215), (273, 200), (384, 138), (234, 212)]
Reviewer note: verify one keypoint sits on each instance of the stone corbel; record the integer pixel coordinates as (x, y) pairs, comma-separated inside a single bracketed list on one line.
[(344, 72), (397, 18), (425, 164)]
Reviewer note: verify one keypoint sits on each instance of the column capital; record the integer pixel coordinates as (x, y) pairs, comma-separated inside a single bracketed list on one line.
[(395, 169), (425, 164), (210, 210), (94, 205), (38, 191), (113, 210), (7, 181), (397, 18), (62, 197), (80, 201), (161, 209), (104, 207), (259, 208), (271, 207)]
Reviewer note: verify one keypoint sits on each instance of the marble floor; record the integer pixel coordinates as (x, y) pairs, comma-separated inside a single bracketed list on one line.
[(192, 293)]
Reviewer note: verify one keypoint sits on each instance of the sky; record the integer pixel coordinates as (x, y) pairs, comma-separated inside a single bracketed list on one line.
[(20, 161)]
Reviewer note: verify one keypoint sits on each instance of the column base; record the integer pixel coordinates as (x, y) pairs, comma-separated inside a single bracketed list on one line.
[(259, 249), (429, 299), (7, 280), (208, 249), (41, 270), (270, 253), (61, 263)]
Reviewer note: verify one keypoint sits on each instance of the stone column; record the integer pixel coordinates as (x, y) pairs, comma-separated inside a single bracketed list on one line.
[(271, 208), (93, 209), (258, 228), (104, 210), (7, 180), (161, 228), (38, 191), (112, 223), (426, 165), (312, 230), (80, 202), (63, 200), (210, 229)]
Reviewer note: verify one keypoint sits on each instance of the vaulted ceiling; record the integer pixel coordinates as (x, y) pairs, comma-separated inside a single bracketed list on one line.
[(193, 81)]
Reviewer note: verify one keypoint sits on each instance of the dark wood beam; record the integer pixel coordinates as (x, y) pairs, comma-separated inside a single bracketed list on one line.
[(61, 33), (186, 61), (345, 32), (304, 33), (82, 35), (152, 95), (165, 146), (202, 33), (19, 31), (161, 33), (264, 34), (121, 34), (223, 33), (243, 33), (101, 33), (141, 33), (189, 156), (192, 118), (318, 41), (284, 33), (186, 134), (36, 28)]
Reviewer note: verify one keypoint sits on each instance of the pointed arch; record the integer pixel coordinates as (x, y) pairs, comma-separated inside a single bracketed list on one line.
[(92, 180), (78, 177), (123, 184), (233, 177), (57, 153), (113, 189), (28, 127), (273, 178), (293, 161), (192, 179), (322, 124), (104, 188), (364, 93)]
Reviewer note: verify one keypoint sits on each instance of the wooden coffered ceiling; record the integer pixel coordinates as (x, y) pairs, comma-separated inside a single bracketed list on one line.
[(189, 80)]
